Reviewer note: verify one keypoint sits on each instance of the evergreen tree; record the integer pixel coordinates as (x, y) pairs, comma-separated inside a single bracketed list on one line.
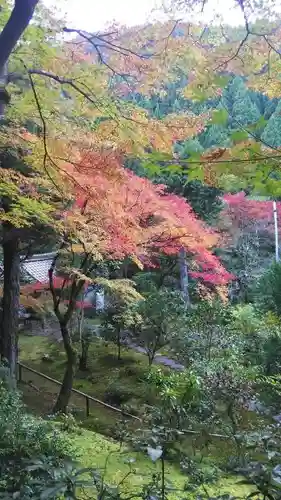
[(261, 100), (272, 132), (243, 109), (270, 108), (186, 148), (215, 135)]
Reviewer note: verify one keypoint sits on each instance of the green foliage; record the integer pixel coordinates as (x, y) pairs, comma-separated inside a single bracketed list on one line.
[(205, 200), (145, 282), (247, 257), (269, 289), (239, 136), (204, 335), (241, 104), (120, 313), (68, 423), (176, 388), (25, 439), (215, 135), (219, 117), (162, 318), (271, 133), (117, 394), (188, 147), (245, 319)]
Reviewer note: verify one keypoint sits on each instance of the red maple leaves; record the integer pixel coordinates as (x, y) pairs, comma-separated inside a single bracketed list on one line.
[(245, 213), (130, 216)]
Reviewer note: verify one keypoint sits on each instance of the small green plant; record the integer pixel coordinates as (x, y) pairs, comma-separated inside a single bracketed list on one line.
[(68, 423)]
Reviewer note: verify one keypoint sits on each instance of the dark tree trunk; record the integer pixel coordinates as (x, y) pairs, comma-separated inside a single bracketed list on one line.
[(67, 383), (20, 18), (10, 302), (18, 21), (83, 360), (119, 344), (151, 355)]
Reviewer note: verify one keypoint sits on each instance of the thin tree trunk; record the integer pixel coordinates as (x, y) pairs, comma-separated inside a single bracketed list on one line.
[(184, 276), (83, 360), (119, 344), (67, 383), (151, 355), (83, 342), (10, 302)]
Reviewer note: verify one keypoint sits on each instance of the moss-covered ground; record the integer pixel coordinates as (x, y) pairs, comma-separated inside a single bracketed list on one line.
[(116, 382)]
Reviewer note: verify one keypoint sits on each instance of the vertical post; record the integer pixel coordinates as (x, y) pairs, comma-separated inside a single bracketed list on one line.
[(184, 276), (87, 407), (276, 232), (20, 372)]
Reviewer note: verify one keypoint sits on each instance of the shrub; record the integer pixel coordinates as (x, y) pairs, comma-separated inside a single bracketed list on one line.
[(117, 394), (268, 290), (163, 317), (245, 319), (68, 423), (24, 438)]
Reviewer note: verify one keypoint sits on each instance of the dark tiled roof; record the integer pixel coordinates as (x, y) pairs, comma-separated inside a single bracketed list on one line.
[(35, 268)]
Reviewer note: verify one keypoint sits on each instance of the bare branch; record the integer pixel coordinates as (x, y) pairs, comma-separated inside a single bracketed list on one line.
[(236, 53), (106, 43)]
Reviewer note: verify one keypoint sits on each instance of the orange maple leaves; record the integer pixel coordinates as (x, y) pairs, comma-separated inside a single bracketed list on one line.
[(120, 214)]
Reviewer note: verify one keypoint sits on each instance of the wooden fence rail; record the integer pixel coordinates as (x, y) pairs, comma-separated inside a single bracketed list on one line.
[(89, 398)]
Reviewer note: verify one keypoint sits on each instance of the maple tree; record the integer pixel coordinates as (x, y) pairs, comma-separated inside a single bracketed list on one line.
[(246, 213), (15, 25), (81, 128), (248, 224), (44, 81), (115, 215)]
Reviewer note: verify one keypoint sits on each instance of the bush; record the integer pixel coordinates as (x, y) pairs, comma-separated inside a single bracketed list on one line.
[(116, 394), (206, 333), (245, 319), (24, 438), (162, 316), (268, 291), (68, 423)]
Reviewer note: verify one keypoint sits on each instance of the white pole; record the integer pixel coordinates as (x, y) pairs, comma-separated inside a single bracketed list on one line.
[(276, 232)]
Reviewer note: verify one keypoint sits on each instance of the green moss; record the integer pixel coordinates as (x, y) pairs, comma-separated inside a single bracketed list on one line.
[(98, 452), (104, 367), (105, 371)]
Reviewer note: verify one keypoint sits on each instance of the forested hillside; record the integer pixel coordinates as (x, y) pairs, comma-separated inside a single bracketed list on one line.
[(140, 220)]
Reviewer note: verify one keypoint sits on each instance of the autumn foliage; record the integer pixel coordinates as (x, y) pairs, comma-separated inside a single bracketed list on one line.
[(121, 214), (247, 214)]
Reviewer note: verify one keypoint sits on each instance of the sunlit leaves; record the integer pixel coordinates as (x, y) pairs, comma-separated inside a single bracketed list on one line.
[(239, 136), (219, 117)]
